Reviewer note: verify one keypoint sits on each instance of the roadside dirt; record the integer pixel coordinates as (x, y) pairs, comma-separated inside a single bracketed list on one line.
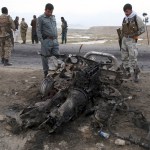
[(20, 88)]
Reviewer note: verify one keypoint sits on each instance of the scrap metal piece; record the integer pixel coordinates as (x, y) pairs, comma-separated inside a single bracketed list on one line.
[(109, 56), (46, 85)]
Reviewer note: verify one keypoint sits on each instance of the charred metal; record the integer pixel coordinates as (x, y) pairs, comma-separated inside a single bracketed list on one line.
[(80, 85)]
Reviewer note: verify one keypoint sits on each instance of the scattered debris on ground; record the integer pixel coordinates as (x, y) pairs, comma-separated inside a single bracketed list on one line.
[(87, 88)]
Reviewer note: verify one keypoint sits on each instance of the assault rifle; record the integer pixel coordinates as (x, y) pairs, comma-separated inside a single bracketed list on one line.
[(119, 37)]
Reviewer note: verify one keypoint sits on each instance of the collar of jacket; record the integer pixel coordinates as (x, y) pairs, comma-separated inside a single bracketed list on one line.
[(48, 16)]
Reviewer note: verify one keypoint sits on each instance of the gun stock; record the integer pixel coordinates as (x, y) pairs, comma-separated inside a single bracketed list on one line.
[(119, 37)]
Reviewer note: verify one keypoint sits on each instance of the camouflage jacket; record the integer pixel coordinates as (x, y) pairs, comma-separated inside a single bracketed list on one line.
[(6, 25), (23, 26)]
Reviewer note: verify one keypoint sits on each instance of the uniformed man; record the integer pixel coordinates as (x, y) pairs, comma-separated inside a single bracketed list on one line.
[(33, 31), (23, 30), (132, 27), (47, 35), (64, 30), (6, 26)]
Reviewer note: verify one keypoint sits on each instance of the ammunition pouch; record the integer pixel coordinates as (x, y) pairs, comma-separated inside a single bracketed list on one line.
[(4, 38), (129, 29)]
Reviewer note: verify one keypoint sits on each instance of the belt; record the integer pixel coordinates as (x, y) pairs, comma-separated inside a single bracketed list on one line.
[(128, 36), (51, 37), (5, 38)]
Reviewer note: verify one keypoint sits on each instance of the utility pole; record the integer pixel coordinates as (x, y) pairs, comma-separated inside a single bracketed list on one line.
[(145, 20)]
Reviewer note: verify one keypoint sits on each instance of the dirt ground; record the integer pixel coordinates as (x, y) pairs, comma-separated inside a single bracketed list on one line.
[(20, 88)]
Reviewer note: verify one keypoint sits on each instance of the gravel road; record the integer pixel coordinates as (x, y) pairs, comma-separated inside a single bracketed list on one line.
[(25, 56)]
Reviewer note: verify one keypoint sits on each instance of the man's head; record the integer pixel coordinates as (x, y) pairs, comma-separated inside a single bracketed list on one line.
[(17, 18), (23, 19), (4, 10), (62, 19), (127, 9), (49, 9), (34, 16)]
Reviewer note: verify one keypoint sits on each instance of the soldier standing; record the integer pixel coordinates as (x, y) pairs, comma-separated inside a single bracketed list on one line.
[(16, 21), (132, 27), (47, 35), (33, 32), (64, 30), (23, 30), (6, 26)]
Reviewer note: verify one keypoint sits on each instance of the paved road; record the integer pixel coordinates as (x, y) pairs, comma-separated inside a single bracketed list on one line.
[(25, 56)]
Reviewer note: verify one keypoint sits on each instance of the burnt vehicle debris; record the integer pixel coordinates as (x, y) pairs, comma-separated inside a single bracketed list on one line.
[(83, 85)]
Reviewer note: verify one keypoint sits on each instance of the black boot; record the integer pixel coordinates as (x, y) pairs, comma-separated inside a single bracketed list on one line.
[(65, 41), (45, 74), (23, 42), (2, 60), (127, 72), (136, 74), (6, 62)]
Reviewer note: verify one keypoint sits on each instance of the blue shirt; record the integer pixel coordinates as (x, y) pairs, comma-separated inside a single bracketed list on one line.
[(46, 26)]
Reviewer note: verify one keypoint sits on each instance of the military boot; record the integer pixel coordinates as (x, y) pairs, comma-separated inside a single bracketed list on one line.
[(45, 74), (136, 74), (127, 73), (65, 41), (6, 62), (2, 61), (23, 42)]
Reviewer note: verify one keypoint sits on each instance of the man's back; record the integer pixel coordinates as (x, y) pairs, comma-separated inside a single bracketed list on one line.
[(33, 24), (23, 26), (16, 24), (6, 24)]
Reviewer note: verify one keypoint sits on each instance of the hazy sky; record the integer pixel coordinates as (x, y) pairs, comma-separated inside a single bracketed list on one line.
[(78, 13)]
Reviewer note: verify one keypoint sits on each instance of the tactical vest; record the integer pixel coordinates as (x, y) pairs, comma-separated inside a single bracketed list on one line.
[(4, 26), (130, 27)]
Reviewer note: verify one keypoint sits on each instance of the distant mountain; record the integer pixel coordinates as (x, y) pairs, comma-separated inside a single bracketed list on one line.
[(103, 30), (110, 31), (72, 26)]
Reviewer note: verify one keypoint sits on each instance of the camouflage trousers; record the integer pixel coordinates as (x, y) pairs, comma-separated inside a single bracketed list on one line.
[(5, 48), (23, 36), (129, 53)]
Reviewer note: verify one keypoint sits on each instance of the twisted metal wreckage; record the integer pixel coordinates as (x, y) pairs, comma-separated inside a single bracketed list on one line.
[(83, 84)]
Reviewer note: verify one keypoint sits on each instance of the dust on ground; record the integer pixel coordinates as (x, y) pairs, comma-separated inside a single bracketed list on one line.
[(20, 88)]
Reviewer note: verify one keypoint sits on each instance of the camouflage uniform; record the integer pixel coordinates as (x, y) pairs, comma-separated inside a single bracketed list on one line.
[(131, 29), (23, 30), (47, 35), (6, 24)]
